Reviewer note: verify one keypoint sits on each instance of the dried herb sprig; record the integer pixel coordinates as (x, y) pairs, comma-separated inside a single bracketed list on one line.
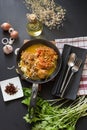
[(47, 11)]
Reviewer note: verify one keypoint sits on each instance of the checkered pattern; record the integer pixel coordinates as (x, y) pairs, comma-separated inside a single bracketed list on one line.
[(77, 42)]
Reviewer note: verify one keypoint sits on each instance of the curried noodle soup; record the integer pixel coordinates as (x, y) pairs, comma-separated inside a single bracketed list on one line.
[(38, 61)]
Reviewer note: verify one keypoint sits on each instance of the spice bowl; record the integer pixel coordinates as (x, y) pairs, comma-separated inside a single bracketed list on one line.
[(11, 89)]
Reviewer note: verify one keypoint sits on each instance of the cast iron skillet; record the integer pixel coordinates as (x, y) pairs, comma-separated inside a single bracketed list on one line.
[(36, 82)]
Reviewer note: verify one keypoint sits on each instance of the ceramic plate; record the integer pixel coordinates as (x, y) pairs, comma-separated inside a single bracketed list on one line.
[(16, 82)]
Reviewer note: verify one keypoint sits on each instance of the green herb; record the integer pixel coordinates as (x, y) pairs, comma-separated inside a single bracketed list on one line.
[(59, 117)]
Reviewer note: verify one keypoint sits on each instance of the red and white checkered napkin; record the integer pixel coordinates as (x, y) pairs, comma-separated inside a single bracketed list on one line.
[(82, 43)]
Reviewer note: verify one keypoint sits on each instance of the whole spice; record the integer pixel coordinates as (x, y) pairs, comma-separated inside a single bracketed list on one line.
[(48, 12), (11, 89)]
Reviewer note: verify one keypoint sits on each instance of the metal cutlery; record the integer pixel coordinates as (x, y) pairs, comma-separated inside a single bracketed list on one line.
[(71, 63), (74, 69)]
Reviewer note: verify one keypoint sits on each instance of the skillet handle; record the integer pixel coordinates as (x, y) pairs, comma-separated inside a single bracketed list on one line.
[(33, 100)]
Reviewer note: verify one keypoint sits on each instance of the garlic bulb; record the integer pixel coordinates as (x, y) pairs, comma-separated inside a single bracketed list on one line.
[(7, 49)]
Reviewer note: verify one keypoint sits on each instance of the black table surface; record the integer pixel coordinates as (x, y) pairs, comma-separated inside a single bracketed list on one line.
[(14, 11)]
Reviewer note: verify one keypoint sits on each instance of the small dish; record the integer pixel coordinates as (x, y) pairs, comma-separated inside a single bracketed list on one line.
[(17, 84)]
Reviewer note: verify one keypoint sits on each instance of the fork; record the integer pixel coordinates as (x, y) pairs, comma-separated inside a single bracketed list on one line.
[(70, 64), (74, 69)]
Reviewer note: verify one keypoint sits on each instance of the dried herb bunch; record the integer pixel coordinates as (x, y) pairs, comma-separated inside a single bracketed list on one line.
[(47, 11)]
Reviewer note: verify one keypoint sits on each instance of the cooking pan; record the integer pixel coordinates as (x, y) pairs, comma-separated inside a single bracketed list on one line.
[(36, 82)]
